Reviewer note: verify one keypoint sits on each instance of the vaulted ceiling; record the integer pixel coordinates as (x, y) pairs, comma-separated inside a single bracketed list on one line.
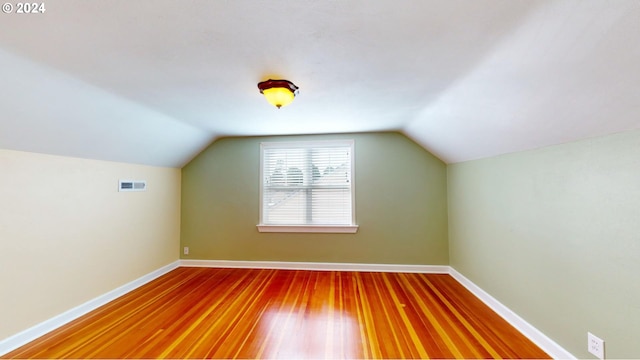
[(155, 81)]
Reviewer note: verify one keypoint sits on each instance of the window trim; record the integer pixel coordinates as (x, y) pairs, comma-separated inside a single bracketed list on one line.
[(309, 228), (327, 229)]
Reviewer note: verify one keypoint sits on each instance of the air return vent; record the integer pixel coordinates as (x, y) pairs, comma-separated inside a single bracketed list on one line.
[(132, 185)]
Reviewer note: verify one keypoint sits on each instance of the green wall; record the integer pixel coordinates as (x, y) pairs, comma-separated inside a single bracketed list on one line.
[(554, 234), (401, 206)]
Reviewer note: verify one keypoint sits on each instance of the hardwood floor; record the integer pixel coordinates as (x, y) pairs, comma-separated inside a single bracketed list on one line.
[(243, 313)]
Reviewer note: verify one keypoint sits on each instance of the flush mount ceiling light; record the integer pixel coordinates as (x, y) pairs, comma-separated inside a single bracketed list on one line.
[(278, 92)]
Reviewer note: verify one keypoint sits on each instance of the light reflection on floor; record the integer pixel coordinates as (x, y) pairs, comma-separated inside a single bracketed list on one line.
[(296, 334)]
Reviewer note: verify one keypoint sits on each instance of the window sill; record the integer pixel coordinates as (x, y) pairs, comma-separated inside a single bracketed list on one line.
[(331, 229)]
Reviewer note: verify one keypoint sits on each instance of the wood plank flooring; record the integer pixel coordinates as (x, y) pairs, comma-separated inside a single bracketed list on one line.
[(247, 313)]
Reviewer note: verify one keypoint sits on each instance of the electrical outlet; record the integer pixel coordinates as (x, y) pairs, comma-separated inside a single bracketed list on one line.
[(186, 250), (595, 345)]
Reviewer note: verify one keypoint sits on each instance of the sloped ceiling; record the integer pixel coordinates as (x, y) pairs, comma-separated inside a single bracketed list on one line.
[(155, 81)]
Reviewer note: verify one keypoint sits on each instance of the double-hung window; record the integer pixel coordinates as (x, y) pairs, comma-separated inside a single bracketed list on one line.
[(307, 186)]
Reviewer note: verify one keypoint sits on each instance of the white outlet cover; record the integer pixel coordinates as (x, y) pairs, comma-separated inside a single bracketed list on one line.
[(595, 345)]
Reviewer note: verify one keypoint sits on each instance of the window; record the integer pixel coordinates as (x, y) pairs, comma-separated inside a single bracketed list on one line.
[(307, 187)]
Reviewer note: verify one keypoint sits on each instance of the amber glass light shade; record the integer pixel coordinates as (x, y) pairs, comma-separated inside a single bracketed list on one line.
[(279, 93)]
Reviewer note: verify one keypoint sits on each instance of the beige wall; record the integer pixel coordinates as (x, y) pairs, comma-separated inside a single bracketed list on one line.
[(67, 235), (554, 234), (400, 206)]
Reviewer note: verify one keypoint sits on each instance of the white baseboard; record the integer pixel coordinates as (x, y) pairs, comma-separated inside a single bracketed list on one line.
[(318, 266), (13, 342), (536, 336)]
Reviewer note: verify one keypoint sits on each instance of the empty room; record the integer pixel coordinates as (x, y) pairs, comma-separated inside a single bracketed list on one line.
[(320, 179)]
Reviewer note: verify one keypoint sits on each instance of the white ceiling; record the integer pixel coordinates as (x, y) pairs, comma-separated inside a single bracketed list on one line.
[(155, 81)]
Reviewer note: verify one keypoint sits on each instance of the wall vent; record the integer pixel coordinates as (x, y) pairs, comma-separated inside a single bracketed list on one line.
[(132, 185)]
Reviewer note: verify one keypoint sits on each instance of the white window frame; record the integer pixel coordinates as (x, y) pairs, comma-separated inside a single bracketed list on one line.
[(350, 228)]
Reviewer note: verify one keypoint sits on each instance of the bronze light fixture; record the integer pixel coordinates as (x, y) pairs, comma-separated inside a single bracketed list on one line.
[(278, 92)]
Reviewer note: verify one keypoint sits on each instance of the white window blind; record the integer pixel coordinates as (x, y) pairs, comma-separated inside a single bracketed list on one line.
[(307, 183)]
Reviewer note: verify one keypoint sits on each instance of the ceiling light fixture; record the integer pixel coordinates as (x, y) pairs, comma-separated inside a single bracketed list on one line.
[(278, 92)]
